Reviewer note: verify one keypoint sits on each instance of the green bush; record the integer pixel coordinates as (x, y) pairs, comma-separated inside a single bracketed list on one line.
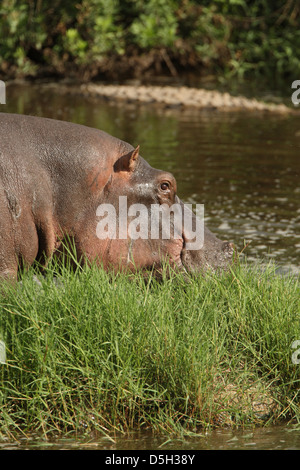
[(156, 25), (235, 37)]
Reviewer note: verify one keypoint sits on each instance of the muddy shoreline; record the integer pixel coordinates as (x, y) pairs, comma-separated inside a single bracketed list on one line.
[(167, 96), (181, 96)]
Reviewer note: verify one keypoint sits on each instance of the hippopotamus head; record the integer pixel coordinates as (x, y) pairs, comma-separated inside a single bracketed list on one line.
[(143, 222)]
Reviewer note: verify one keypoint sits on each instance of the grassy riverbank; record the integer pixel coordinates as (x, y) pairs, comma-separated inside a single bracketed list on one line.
[(93, 351)]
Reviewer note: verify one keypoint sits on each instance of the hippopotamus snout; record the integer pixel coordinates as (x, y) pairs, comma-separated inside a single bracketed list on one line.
[(215, 255), (228, 248), (201, 249)]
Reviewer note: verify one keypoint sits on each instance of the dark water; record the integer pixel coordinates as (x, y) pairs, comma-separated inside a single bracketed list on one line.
[(269, 438), (244, 167)]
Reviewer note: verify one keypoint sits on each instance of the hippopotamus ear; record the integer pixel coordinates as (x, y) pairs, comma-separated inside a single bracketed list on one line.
[(127, 162)]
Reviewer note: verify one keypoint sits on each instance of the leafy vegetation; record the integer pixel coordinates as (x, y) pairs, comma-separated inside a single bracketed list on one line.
[(96, 38), (112, 352)]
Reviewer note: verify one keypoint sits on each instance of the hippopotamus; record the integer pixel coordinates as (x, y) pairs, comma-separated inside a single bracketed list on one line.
[(54, 177)]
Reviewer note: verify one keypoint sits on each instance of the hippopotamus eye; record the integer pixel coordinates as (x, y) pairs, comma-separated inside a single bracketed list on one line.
[(164, 186)]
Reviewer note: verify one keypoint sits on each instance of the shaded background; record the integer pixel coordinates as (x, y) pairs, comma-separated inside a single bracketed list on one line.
[(183, 39)]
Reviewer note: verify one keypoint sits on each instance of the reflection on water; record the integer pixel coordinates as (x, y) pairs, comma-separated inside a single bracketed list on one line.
[(275, 438), (243, 166)]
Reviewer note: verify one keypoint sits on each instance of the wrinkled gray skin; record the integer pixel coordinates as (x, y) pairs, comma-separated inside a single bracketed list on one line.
[(54, 175)]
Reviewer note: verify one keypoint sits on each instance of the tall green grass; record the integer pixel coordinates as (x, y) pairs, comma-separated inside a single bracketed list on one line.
[(88, 350)]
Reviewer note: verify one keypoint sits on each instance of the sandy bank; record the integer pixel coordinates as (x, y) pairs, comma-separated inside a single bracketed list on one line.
[(181, 97)]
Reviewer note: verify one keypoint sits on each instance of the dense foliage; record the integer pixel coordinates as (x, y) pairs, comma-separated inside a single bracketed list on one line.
[(93, 38)]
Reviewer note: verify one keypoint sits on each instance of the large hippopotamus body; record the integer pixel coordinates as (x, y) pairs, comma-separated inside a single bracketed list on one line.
[(54, 177)]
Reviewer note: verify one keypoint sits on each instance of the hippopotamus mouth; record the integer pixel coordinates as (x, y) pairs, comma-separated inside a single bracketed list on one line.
[(213, 254), (216, 256)]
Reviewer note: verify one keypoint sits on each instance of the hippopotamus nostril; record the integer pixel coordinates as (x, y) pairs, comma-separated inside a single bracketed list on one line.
[(228, 247)]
